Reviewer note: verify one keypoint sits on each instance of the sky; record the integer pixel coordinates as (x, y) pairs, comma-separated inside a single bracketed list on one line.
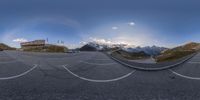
[(165, 23)]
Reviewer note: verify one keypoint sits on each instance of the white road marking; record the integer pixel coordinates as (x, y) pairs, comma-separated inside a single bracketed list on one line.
[(100, 59), (98, 63), (184, 76), (22, 74), (93, 80), (7, 62), (194, 62)]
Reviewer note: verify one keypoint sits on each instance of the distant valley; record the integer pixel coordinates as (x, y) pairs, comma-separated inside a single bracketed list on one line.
[(160, 54)]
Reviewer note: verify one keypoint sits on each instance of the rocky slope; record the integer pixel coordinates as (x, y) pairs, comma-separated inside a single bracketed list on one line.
[(6, 47), (178, 52)]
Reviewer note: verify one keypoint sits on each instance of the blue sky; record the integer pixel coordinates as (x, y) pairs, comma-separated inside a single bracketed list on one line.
[(137, 22)]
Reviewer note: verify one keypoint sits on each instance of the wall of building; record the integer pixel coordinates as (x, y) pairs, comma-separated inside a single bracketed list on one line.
[(33, 44)]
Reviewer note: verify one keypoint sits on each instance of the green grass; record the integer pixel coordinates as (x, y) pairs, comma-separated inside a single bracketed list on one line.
[(173, 55), (130, 56), (6, 47), (54, 48), (178, 52), (50, 48)]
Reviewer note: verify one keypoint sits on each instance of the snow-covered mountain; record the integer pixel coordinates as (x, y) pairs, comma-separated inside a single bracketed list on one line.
[(150, 50)]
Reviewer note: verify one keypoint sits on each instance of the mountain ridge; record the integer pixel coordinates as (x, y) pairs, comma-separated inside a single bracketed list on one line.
[(179, 52), (6, 47), (148, 50)]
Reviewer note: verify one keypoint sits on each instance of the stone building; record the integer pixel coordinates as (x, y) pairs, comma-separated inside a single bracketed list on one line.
[(33, 44)]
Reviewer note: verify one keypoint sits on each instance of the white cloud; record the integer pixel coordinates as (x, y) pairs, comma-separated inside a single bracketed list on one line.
[(83, 42), (100, 41), (20, 40), (114, 28), (72, 46), (110, 41), (131, 23)]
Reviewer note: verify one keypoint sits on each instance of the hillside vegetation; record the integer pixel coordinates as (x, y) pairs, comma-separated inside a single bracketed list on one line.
[(178, 52), (49, 48), (132, 55), (6, 47), (55, 48)]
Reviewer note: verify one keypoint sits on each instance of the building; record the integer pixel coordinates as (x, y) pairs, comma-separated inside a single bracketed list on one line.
[(33, 44)]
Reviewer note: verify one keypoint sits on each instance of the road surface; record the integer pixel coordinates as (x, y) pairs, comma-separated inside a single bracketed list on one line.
[(92, 76)]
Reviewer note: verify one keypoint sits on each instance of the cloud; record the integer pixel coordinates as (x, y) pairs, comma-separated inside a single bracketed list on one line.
[(114, 28), (112, 41), (20, 40), (83, 42), (131, 23), (100, 41)]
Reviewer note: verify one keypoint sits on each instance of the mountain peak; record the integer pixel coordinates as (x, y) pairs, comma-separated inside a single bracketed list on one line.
[(150, 50)]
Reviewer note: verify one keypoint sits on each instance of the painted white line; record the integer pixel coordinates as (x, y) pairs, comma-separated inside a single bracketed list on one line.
[(98, 81), (184, 76), (194, 62), (98, 63), (100, 59), (7, 62), (22, 74)]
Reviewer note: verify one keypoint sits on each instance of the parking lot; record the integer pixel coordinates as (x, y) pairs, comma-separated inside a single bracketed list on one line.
[(92, 75)]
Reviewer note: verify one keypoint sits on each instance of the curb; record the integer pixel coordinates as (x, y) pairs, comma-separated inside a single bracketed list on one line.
[(152, 69)]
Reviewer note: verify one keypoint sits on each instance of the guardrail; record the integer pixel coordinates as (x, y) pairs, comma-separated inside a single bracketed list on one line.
[(160, 67)]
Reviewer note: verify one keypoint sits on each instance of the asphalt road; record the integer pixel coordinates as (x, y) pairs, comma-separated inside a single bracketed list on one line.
[(92, 76)]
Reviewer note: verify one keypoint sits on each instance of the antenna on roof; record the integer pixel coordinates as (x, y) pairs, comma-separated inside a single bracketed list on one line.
[(47, 40), (58, 42)]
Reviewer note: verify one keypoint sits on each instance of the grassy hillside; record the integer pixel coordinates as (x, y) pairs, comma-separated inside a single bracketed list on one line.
[(178, 52), (49, 48), (55, 48), (131, 56), (6, 47)]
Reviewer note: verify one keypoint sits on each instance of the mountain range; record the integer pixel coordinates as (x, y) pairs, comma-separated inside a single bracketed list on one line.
[(160, 54), (94, 46), (147, 50)]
